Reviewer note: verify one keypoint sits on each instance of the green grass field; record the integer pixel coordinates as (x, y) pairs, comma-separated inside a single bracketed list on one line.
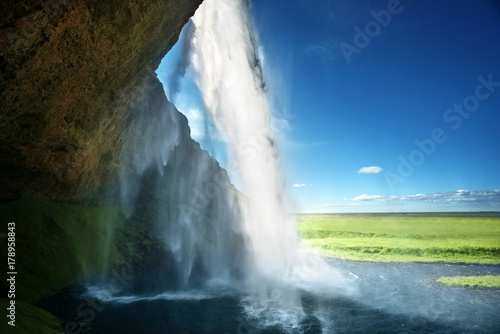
[(472, 281), (378, 238)]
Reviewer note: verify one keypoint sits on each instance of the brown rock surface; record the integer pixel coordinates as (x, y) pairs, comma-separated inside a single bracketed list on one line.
[(71, 75)]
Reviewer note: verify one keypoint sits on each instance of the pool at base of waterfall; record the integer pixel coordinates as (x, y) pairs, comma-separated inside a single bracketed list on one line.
[(390, 298)]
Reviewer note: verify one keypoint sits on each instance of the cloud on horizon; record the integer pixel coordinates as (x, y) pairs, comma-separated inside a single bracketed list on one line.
[(366, 197), (459, 196), (370, 170), (339, 205)]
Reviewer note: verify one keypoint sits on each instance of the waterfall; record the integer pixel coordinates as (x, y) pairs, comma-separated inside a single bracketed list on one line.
[(221, 239), (227, 69), (229, 75)]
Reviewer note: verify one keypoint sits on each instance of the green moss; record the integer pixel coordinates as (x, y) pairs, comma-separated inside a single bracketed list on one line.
[(58, 243), (472, 281), (30, 319)]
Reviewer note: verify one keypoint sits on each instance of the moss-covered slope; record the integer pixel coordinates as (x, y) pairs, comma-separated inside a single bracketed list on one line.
[(30, 319), (57, 242)]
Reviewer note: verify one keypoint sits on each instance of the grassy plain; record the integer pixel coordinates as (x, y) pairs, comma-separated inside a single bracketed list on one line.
[(404, 238), (472, 281)]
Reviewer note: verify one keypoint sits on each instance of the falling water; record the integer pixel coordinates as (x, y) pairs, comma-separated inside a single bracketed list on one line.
[(221, 240), (229, 74), (188, 198)]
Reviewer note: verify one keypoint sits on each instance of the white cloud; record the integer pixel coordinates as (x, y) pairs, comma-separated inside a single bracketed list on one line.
[(365, 197), (300, 185), (339, 205), (459, 196), (370, 170)]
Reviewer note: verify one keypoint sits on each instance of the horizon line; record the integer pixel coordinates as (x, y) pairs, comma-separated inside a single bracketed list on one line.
[(396, 212)]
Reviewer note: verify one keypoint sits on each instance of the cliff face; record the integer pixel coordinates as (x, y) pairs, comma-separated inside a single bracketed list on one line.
[(80, 106), (73, 74)]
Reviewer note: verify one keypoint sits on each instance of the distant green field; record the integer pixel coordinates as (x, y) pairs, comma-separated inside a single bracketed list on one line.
[(404, 238), (472, 281)]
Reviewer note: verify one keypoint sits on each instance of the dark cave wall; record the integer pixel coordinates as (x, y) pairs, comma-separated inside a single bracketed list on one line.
[(72, 74)]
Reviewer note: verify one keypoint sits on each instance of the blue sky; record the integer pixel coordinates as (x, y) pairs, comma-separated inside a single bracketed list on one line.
[(373, 118)]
